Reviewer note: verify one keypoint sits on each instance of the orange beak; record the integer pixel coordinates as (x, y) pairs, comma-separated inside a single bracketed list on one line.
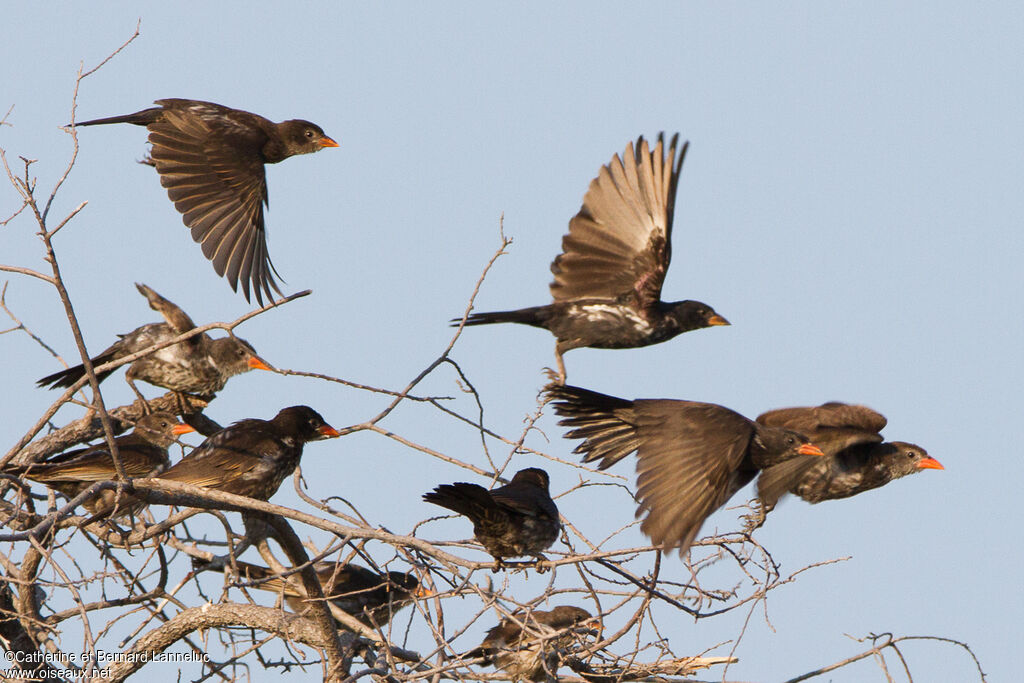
[(328, 142), (179, 429), (809, 449), (423, 592), (717, 320), (930, 464), (328, 432), (257, 363)]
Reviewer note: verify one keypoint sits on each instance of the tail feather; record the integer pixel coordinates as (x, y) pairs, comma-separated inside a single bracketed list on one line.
[(466, 499), (65, 378), (535, 316), (606, 424), (139, 118)]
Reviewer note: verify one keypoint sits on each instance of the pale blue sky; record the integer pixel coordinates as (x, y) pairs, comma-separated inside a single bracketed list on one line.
[(851, 202)]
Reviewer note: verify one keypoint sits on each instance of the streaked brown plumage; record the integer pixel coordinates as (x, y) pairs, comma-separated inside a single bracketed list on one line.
[(691, 457), (510, 521), (370, 597), (143, 453), (608, 278), (856, 459), (199, 365), (210, 158), (252, 457), (531, 645)]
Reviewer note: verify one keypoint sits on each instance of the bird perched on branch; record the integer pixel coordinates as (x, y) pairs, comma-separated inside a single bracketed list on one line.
[(252, 457), (370, 597), (608, 278), (143, 453), (510, 521), (211, 158), (691, 457), (530, 646), (857, 456), (199, 365)]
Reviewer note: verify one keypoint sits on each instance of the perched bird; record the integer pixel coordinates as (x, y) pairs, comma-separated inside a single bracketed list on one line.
[(370, 597), (608, 278), (530, 646), (210, 158), (858, 458), (199, 365), (513, 520), (252, 457), (691, 457), (143, 453)]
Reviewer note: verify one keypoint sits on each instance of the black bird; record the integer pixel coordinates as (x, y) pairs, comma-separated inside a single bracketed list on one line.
[(143, 453), (210, 158), (510, 521), (858, 458), (199, 365), (691, 457), (252, 457), (608, 278), (530, 646), (370, 597)]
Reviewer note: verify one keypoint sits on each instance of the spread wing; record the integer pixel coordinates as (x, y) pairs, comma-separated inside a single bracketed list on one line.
[(620, 243), (214, 174), (832, 426), (690, 463)]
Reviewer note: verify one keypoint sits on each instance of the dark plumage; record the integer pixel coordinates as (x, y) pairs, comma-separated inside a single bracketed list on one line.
[(510, 521), (199, 365), (608, 278), (530, 646), (691, 457), (252, 457), (857, 459), (370, 597), (143, 453), (210, 158)]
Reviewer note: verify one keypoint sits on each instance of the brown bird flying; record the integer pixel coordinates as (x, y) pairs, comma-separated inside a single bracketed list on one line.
[(531, 646), (608, 278), (252, 457), (211, 158), (143, 453), (691, 457), (857, 456), (510, 521), (370, 597), (199, 365)]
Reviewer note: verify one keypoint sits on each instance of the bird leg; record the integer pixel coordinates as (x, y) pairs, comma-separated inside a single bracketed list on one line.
[(145, 404), (756, 519), (539, 564), (499, 564)]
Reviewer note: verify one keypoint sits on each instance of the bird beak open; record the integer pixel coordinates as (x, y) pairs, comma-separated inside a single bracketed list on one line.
[(328, 432), (328, 142), (717, 320), (809, 449), (930, 464), (179, 429), (257, 363)]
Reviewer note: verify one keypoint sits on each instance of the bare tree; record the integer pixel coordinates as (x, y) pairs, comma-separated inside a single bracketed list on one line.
[(83, 596)]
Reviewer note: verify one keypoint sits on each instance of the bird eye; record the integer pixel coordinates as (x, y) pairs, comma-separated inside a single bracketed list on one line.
[(310, 133)]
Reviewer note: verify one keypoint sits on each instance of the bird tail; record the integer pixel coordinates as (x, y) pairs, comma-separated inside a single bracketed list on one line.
[(537, 316), (65, 378), (267, 579), (606, 423), (139, 118), (466, 499)]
